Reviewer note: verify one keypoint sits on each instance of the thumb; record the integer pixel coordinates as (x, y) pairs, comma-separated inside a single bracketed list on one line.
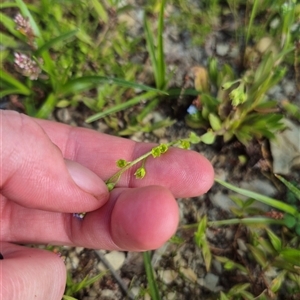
[(35, 174)]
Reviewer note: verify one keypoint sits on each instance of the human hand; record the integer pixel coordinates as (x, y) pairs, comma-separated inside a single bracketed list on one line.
[(50, 171)]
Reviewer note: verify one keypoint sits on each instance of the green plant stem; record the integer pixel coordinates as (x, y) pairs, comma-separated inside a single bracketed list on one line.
[(258, 221), (114, 178), (261, 198), (150, 276), (253, 13)]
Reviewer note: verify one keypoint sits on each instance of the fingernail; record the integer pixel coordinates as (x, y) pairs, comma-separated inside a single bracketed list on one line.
[(86, 179)]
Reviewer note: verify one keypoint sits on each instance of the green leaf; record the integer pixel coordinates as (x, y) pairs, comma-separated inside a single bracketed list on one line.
[(156, 53), (87, 82), (119, 107), (200, 234), (207, 256), (277, 281), (10, 25), (208, 138), (297, 229), (289, 221), (7, 41), (259, 255), (194, 138), (47, 107), (238, 288), (237, 200), (275, 240), (264, 199), (150, 276), (223, 296), (100, 10), (66, 297), (215, 122), (291, 108), (267, 247), (291, 255), (213, 70), (21, 88), (56, 40), (160, 47), (290, 186)]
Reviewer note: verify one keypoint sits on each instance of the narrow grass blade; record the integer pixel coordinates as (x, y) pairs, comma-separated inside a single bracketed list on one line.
[(8, 41), (150, 276), (47, 107), (255, 221), (147, 96), (100, 10), (160, 49), (264, 199), (65, 297), (6, 92), (21, 88), (10, 25), (290, 186), (56, 40), (147, 109), (253, 14), (87, 82), (151, 49), (7, 4)]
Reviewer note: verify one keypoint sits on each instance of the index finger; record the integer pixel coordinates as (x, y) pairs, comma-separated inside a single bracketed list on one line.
[(185, 173)]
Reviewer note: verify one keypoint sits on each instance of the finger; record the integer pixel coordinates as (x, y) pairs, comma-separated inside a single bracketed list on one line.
[(35, 174), (185, 173), (28, 273), (133, 219)]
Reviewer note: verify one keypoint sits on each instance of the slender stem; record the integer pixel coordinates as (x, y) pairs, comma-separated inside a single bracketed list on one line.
[(117, 175), (247, 221), (115, 178)]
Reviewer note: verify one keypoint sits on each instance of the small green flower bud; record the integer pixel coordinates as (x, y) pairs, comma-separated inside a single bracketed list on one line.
[(155, 152), (184, 144), (163, 148), (140, 173), (121, 163), (160, 149)]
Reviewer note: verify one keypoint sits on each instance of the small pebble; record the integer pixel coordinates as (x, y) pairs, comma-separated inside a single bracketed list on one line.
[(222, 49)]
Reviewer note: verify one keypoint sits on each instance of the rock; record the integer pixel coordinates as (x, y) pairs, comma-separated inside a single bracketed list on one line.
[(222, 201), (285, 149), (116, 259), (167, 276), (211, 281), (222, 49), (189, 274)]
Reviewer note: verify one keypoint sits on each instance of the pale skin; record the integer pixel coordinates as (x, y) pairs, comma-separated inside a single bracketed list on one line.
[(50, 171)]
